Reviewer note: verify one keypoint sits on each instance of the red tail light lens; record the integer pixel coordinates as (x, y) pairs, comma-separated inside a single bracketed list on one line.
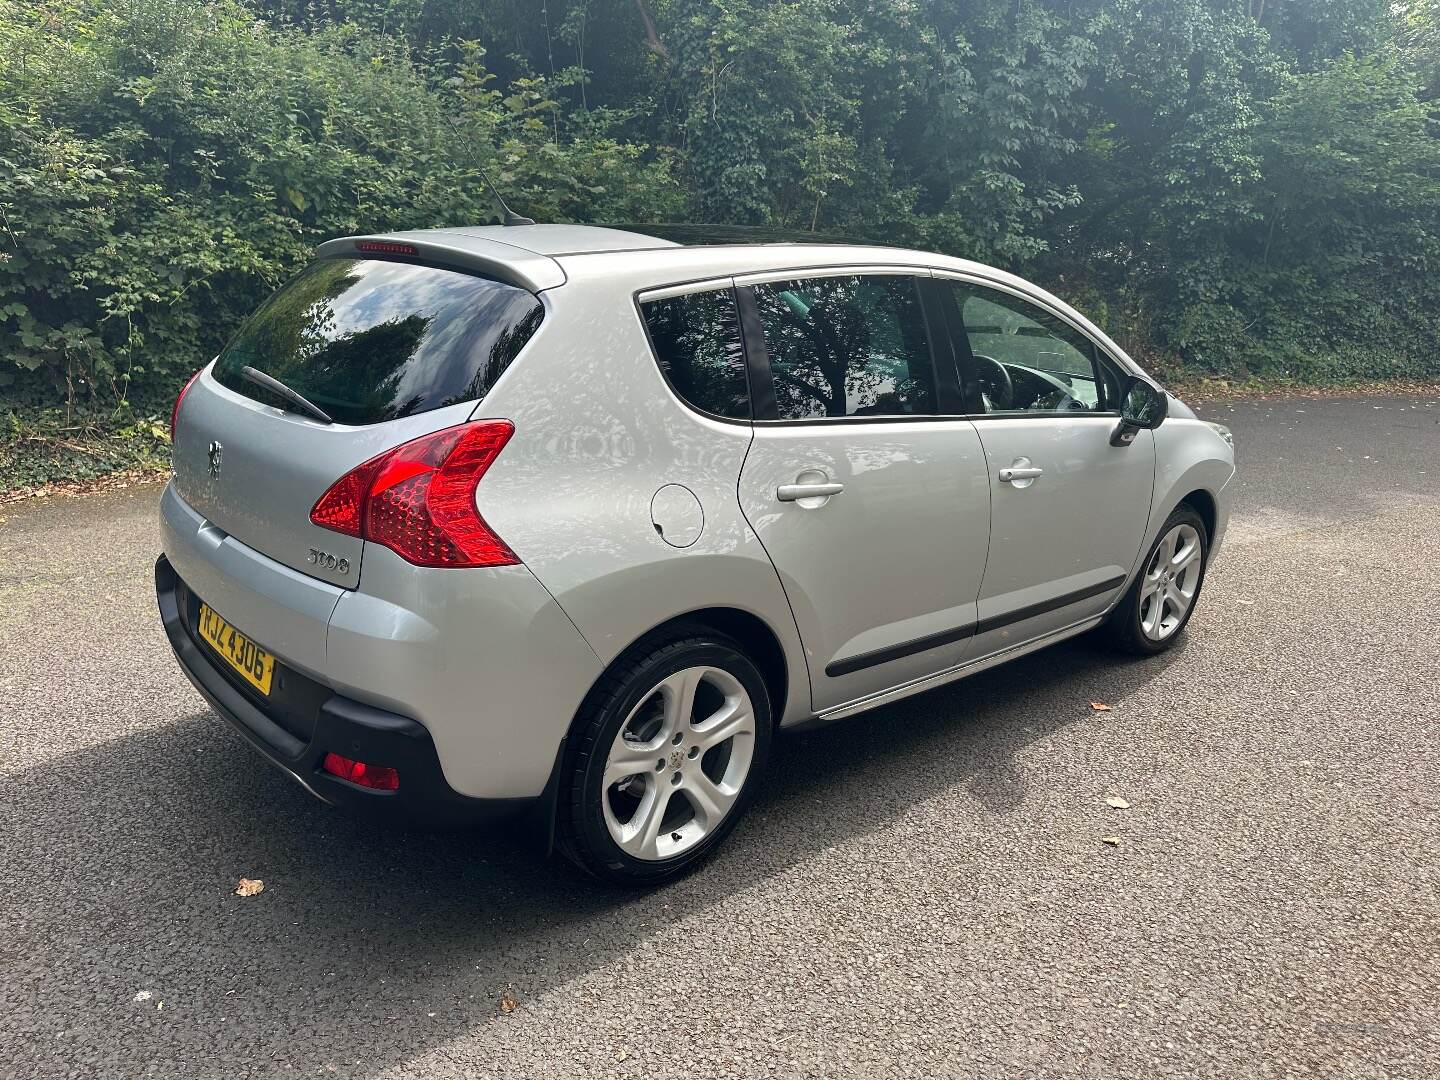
[(379, 777), (175, 409), (419, 499)]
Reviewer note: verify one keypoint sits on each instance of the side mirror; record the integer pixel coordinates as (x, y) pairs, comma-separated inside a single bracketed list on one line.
[(1143, 405)]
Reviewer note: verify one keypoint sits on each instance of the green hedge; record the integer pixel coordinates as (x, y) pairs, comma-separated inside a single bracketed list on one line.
[(1227, 194), (164, 164)]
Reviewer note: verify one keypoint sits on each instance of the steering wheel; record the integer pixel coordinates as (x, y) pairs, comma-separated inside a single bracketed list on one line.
[(996, 382), (1066, 401)]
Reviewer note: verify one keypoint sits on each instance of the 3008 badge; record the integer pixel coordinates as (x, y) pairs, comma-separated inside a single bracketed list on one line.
[(330, 562)]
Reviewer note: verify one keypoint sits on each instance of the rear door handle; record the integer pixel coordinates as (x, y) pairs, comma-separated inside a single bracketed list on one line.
[(796, 492)]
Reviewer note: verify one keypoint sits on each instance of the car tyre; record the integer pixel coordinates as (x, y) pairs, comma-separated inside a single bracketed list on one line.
[(1171, 576), (664, 758)]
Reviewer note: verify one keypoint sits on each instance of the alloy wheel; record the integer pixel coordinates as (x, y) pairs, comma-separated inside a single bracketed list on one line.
[(1171, 581), (678, 763)]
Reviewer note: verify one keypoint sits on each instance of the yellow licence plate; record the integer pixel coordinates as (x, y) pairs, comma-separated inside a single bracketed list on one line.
[(254, 664)]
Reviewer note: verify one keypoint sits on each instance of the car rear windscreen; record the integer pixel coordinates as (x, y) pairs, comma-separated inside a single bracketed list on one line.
[(369, 340)]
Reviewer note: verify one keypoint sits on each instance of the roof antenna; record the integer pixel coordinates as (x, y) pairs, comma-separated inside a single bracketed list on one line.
[(508, 217)]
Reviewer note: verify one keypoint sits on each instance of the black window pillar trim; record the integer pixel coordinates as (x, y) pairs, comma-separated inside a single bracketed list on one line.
[(945, 365), (757, 356), (971, 402)]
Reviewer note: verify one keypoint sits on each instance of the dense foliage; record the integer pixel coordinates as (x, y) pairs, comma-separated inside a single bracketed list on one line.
[(1229, 186)]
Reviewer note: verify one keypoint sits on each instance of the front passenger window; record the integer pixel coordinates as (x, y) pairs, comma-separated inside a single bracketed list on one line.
[(851, 345), (1026, 359)]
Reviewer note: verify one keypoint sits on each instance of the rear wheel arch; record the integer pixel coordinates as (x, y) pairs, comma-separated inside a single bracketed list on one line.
[(749, 631)]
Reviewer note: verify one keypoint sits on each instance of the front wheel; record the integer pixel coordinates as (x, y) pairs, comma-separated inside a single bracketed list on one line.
[(1162, 597), (665, 755)]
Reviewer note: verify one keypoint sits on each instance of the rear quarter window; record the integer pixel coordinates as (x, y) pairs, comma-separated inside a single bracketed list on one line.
[(696, 338), (371, 340)]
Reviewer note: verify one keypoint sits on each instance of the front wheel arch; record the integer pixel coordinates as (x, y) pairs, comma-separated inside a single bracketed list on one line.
[(1203, 503)]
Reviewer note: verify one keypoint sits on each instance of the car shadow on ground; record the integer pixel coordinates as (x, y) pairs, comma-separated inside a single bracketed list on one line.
[(123, 857)]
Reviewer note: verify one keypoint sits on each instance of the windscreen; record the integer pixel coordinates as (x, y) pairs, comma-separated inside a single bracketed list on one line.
[(369, 341)]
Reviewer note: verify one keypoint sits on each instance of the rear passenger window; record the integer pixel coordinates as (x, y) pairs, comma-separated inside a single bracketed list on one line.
[(853, 345), (697, 341)]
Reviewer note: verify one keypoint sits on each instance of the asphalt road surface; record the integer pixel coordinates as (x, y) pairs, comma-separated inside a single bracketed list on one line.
[(922, 891)]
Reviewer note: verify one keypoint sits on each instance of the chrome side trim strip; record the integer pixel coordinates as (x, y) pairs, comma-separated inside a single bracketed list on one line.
[(931, 682)]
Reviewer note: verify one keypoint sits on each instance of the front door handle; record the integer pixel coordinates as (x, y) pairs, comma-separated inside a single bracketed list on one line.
[(1021, 473), (796, 492)]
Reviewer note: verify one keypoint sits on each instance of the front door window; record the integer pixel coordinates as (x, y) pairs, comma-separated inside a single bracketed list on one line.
[(1027, 360)]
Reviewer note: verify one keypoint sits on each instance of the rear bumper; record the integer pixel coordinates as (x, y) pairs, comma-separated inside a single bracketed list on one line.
[(340, 725), (483, 659)]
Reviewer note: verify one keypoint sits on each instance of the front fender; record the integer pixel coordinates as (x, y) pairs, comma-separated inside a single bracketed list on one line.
[(1189, 457)]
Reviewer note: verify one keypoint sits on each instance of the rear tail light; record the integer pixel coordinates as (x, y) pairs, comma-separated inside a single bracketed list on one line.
[(175, 410), (379, 777), (419, 498)]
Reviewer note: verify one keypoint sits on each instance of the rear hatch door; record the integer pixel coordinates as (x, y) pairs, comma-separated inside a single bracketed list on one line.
[(389, 350)]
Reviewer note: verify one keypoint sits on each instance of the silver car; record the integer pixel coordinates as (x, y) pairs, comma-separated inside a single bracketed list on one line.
[(562, 524)]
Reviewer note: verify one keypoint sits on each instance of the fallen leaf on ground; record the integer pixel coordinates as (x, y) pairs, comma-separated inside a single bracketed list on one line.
[(249, 887), (1100, 706), (1113, 841), (508, 1002), (1117, 802)]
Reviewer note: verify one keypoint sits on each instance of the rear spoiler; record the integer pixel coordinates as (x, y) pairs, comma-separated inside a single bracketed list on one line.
[(454, 251)]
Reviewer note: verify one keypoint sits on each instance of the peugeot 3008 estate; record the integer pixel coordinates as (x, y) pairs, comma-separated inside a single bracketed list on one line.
[(566, 522)]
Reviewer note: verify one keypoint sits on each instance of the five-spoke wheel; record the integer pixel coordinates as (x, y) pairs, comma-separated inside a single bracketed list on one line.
[(679, 763), (1171, 581), (663, 757), (1162, 597)]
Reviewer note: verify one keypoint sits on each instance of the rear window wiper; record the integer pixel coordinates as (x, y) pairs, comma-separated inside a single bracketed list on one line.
[(278, 388)]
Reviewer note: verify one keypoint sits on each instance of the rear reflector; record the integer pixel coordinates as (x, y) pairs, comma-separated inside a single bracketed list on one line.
[(385, 247), (379, 777), (419, 498)]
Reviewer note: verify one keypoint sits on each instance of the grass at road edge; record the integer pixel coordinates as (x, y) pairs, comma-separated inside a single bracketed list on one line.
[(113, 481), (1195, 390), (43, 452)]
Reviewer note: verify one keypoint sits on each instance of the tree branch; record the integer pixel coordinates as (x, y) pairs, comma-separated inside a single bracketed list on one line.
[(652, 39)]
